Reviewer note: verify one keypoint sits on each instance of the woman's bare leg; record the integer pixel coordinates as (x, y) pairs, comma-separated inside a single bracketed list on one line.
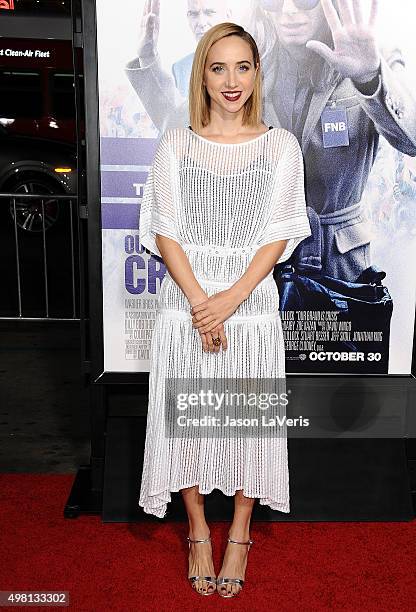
[(200, 555), (235, 557)]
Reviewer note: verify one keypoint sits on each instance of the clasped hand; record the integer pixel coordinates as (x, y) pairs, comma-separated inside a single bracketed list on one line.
[(208, 317)]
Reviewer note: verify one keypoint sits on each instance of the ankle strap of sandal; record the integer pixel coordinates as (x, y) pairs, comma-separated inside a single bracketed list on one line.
[(201, 541), (235, 542)]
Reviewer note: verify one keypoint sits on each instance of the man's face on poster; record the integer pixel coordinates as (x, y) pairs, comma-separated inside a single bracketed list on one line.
[(295, 26), (203, 14)]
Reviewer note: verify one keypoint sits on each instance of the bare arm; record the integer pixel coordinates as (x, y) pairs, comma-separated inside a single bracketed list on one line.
[(180, 269), (260, 266)]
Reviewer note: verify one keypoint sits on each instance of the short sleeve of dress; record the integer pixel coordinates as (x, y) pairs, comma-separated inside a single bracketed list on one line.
[(157, 209), (289, 219)]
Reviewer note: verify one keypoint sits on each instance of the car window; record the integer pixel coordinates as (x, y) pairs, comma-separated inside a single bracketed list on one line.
[(21, 94), (63, 95)]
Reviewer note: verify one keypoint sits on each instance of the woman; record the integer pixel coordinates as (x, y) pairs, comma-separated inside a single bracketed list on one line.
[(224, 201)]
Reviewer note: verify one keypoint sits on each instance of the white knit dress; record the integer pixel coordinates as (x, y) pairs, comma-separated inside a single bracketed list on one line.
[(221, 203)]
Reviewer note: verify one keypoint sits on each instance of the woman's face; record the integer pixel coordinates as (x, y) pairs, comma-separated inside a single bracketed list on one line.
[(295, 26), (229, 67)]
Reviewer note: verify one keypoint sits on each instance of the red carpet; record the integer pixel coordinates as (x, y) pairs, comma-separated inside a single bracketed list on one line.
[(129, 567)]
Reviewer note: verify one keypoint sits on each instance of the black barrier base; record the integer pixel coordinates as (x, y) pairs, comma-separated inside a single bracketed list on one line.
[(83, 499), (330, 480)]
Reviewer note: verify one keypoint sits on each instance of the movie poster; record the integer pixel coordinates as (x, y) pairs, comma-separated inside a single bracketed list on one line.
[(347, 294)]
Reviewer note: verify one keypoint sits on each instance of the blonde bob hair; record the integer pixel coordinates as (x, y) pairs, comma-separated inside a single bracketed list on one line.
[(199, 99)]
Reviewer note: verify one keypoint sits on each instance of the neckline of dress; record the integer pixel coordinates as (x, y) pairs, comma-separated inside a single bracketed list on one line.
[(231, 144)]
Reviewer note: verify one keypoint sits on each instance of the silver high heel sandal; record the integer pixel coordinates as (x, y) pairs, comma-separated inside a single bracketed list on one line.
[(210, 579), (223, 580)]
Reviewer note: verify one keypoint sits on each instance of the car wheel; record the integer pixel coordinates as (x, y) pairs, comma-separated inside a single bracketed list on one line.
[(29, 211)]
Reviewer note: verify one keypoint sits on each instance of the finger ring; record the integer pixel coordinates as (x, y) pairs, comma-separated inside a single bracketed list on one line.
[(216, 341)]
